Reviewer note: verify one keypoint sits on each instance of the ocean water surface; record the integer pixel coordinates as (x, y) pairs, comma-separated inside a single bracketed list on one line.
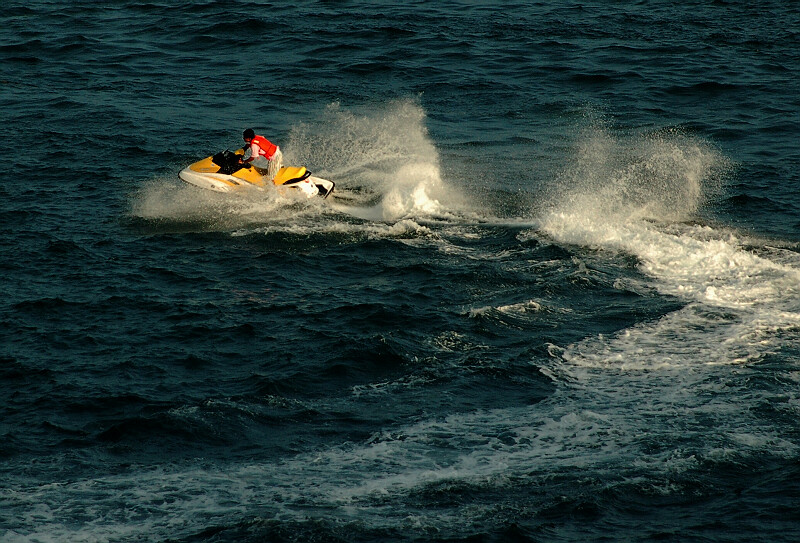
[(555, 296)]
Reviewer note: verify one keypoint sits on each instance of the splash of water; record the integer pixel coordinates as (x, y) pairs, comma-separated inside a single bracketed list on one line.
[(666, 176), (166, 201), (385, 153)]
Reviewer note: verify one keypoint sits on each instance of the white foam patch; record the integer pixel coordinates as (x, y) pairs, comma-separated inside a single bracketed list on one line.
[(521, 308), (690, 262), (601, 420), (168, 200), (742, 305), (405, 230), (349, 482)]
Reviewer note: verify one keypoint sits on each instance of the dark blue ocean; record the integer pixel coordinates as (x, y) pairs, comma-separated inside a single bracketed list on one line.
[(555, 296)]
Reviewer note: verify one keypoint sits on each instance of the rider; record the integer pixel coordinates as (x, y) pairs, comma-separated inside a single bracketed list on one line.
[(265, 156)]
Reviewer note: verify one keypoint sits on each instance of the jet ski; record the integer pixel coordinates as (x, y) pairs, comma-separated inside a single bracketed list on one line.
[(224, 172)]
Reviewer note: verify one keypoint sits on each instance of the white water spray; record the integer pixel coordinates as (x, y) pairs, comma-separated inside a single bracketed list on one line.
[(385, 154)]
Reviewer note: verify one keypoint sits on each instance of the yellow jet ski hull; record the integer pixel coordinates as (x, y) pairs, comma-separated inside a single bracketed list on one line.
[(209, 174)]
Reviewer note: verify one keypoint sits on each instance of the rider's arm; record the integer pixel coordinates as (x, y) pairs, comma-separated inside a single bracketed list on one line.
[(253, 152)]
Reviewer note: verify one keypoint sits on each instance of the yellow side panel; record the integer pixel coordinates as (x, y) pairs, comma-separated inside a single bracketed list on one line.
[(288, 173), (250, 175), (205, 166)]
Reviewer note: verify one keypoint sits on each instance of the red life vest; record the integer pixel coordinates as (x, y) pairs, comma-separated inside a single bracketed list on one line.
[(266, 148)]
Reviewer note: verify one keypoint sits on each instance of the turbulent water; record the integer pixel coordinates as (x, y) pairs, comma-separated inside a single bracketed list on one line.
[(555, 296)]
